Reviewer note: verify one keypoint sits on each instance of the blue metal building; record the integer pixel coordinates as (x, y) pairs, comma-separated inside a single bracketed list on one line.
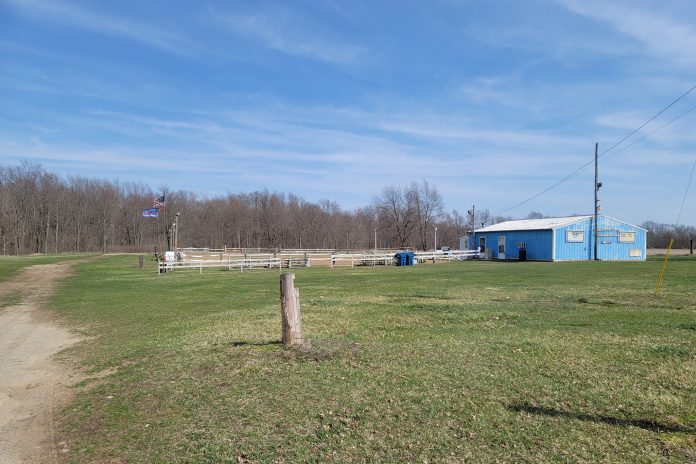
[(560, 239)]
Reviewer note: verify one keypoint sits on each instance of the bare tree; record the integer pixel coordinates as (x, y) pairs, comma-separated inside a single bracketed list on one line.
[(536, 215), (43, 212), (397, 212), (450, 227), (427, 204)]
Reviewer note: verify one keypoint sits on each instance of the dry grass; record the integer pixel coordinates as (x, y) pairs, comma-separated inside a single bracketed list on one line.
[(465, 362)]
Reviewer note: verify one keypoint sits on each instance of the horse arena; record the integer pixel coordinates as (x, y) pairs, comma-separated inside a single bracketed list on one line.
[(247, 259)]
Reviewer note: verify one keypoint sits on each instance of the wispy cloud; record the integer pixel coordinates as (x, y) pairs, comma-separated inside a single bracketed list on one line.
[(665, 36), (295, 35), (487, 89), (166, 39), (369, 145), (490, 104)]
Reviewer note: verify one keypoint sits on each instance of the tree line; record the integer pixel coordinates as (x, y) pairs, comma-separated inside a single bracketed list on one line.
[(659, 235), (42, 212)]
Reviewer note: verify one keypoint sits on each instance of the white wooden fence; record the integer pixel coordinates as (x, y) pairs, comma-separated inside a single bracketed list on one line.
[(295, 259)]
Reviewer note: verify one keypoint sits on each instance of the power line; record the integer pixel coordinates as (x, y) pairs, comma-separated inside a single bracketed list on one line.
[(651, 132), (651, 119), (577, 171), (685, 194), (552, 186)]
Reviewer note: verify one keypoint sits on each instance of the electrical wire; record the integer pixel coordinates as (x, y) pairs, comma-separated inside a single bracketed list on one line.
[(605, 152), (688, 184), (650, 133), (651, 119), (552, 186)]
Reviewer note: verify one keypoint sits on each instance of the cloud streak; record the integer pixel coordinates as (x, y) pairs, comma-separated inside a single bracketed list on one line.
[(297, 36), (70, 15), (490, 104), (663, 35)]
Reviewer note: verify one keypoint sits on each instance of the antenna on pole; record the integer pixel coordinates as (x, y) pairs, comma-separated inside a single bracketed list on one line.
[(597, 186)]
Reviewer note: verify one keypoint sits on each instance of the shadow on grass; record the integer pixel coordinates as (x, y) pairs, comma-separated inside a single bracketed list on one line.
[(598, 418), (268, 343)]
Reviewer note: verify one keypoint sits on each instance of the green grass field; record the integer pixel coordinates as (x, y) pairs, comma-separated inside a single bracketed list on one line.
[(462, 362), (11, 265)]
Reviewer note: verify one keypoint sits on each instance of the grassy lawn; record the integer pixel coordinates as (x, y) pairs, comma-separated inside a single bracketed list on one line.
[(465, 362), (11, 265)]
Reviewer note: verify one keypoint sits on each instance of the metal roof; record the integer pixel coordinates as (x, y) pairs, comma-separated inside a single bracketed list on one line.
[(533, 224)]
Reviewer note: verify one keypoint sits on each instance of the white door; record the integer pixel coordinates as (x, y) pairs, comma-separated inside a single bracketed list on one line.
[(501, 247)]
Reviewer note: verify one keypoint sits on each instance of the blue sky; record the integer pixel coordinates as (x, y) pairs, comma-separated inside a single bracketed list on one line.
[(489, 101)]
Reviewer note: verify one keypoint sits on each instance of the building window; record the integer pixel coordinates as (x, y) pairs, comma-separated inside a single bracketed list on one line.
[(575, 236), (627, 237)]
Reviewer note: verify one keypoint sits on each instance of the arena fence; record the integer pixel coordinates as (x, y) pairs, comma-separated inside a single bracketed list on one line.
[(198, 258)]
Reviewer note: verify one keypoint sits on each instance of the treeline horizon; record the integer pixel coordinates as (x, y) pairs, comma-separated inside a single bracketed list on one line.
[(43, 212)]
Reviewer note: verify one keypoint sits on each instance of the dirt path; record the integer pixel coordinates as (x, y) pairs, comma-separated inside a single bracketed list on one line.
[(33, 384)]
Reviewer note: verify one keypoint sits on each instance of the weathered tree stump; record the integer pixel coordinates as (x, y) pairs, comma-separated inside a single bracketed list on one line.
[(290, 310)]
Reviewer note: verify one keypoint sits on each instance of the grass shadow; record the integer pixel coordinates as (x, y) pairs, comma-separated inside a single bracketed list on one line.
[(268, 343), (645, 424)]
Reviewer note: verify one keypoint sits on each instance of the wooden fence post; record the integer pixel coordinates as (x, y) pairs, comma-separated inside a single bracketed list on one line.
[(141, 261), (290, 310)]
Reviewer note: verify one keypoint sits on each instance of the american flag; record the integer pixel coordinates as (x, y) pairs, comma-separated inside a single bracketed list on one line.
[(158, 202)]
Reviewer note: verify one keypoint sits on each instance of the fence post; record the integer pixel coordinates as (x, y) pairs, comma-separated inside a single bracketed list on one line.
[(291, 330), (692, 246)]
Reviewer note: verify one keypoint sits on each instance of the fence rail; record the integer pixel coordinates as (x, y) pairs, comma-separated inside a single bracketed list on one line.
[(192, 259)]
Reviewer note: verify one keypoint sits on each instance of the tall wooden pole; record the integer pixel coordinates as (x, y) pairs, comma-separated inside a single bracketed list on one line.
[(596, 200), (290, 310), (473, 228), (176, 232)]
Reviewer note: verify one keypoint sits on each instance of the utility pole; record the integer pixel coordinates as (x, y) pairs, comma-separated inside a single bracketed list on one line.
[(176, 232), (597, 186), (170, 237), (435, 238), (472, 212), (375, 240)]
